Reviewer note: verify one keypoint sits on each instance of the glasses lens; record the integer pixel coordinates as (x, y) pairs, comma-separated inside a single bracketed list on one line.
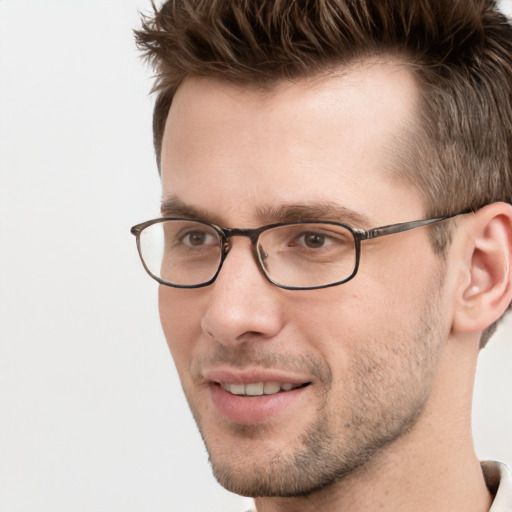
[(307, 255), (181, 252)]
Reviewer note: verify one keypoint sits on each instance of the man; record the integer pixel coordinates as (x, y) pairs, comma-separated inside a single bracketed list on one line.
[(328, 361)]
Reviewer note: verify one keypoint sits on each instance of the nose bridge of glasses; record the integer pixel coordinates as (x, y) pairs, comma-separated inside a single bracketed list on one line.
[(229, 233), (251, 234)]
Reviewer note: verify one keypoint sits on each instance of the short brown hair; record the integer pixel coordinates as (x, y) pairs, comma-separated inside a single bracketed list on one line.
[(459, 155)]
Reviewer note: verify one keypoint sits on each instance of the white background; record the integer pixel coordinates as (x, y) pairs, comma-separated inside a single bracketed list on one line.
[(92, 417)]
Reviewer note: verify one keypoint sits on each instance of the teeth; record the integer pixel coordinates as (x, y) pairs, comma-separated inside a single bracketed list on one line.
[(254, 389), (271, 387), (258, 388), (237, 389)]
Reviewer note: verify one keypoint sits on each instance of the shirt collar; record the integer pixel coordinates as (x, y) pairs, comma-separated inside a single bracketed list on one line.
[(499, 481)]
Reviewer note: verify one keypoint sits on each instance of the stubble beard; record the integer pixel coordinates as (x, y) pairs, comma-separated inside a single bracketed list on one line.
[(387, 397)]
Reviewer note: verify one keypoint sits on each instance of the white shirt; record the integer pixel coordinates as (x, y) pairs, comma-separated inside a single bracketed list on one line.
[(499, 481)]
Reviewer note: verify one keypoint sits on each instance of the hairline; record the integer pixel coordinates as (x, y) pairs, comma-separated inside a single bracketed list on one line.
[(406, 143)]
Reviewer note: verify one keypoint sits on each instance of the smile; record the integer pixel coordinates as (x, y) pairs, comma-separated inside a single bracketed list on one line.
[(259, 388), (239, 397)]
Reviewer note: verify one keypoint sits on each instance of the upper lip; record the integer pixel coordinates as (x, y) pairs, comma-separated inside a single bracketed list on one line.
[(252, 375)]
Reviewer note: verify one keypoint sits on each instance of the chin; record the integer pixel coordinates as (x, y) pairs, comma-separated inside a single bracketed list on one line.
[(320, 459)]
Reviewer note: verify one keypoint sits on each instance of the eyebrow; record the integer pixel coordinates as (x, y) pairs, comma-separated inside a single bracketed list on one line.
[(269, 214), (175, 207), (314, 211)]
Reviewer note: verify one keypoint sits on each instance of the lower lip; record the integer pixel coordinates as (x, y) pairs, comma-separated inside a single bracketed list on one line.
[(253, 409)]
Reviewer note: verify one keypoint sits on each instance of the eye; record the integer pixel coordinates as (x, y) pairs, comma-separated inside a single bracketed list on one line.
[(197, 238), (313, 240), (317, 239)]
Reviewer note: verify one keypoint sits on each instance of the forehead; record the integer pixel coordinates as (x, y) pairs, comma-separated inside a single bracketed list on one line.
[(318, 139)]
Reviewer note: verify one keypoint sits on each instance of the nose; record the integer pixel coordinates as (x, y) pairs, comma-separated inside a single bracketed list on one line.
[(243, 305)]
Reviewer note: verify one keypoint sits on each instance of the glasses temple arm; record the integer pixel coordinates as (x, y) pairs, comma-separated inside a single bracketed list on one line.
[(404, 226)]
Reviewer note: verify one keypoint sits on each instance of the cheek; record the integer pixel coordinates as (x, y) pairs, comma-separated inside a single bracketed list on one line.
[(371, 310), (395, 278), (180, 316)]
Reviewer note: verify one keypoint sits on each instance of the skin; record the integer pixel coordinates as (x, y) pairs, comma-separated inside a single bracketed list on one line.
[(389, 378)]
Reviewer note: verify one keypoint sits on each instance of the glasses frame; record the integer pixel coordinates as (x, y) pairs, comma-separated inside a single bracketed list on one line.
[(226, 234)]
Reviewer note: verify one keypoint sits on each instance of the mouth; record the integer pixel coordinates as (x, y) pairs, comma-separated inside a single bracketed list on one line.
[(256, 396), (255, 389)]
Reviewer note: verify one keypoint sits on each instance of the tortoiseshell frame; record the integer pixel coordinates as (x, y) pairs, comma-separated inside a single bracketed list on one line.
[(225, 234)]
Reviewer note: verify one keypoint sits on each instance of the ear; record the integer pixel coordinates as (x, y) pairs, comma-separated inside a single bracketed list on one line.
[(487, 289)]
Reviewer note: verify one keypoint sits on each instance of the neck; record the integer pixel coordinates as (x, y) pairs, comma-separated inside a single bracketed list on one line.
[(431, 468), (405, 478)]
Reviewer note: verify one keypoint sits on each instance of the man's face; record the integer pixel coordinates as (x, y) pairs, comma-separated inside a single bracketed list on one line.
[(348, 369)]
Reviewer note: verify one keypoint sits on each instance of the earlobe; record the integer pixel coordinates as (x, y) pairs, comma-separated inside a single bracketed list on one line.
[(487, 291)]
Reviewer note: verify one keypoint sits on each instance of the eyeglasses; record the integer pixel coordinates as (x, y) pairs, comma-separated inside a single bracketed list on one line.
[(189, 253)]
